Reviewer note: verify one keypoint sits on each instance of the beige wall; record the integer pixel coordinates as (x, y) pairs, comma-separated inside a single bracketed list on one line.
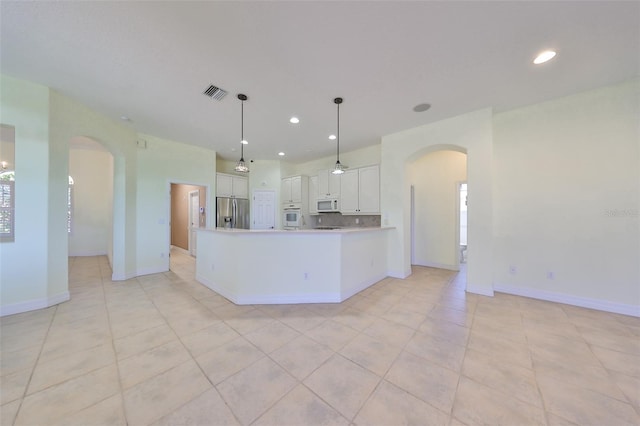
[(91, 230), (180, 221)]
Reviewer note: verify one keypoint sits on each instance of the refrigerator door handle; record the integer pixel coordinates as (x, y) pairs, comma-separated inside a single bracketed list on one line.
[(234, 212)]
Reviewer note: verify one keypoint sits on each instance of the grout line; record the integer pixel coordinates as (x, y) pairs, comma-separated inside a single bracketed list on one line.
[(35, 365), (115, 353)]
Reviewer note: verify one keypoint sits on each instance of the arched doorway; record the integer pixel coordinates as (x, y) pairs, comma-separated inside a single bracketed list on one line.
[(91, 203), (435, 180)]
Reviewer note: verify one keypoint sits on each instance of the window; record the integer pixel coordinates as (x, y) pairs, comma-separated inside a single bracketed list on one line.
[(7, 206), (7, 183), (69, 205)]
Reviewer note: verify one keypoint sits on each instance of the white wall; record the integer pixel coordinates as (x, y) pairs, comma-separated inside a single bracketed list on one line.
[(25, 277), (160, 164), (434, 178), (567, 185), (471, 133), (91, 231), (358, 158), (70, 119)]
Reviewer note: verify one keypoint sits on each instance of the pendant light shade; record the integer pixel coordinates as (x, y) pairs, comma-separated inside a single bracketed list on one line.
[(241, 165), (338, 169)]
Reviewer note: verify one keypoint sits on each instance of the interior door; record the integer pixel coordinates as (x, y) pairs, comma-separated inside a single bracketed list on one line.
[(264, 210), (194, 220)]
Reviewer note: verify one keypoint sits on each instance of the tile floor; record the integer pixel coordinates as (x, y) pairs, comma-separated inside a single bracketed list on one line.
[(165, 350)]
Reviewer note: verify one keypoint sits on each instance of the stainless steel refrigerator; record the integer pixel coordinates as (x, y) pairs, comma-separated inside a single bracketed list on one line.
[(232, 213)]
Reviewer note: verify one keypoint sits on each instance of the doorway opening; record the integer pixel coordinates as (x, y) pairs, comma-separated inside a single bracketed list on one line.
[(462, 220), (187, 214), (436, 232), (90, 200)]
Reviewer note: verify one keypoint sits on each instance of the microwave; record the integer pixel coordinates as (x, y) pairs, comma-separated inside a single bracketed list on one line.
[(330, 205), (292, 218)]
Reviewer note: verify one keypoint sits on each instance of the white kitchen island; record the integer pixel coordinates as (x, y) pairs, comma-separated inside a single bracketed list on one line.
[(305, 266)]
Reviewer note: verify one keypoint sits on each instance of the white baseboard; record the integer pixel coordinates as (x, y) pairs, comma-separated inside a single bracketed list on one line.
[(32, 305), (288, 299), (348, 292), (87, 253), (481, 290), (567, 299), (123, 277), (152, 270), (221, 290), (439, 266), (397, 274), (272, 299)]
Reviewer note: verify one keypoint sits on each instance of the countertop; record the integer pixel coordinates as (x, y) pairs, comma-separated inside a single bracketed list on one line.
[(297, 231)]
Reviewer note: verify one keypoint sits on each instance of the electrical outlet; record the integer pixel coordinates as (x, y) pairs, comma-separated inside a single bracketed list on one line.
[(551, 275), (212, 267), (512, 270), (357, 220), (306, 275), (319, 220)]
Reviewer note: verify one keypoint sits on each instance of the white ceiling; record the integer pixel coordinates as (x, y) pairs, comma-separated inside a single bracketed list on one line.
[(151, 61)]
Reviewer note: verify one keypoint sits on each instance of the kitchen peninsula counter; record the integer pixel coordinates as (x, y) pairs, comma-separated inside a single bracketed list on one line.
[(301, 266)]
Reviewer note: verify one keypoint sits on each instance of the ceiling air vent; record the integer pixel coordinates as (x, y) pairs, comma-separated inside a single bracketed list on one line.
[(215, 92)]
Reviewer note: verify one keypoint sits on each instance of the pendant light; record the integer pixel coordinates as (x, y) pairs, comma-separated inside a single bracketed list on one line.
[(339, 168), (241, 166)]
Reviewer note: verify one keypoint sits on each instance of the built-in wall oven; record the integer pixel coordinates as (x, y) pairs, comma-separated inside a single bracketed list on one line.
[(292, 218)]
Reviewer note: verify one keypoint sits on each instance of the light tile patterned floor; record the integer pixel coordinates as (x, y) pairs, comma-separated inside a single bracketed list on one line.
[(165, 350)]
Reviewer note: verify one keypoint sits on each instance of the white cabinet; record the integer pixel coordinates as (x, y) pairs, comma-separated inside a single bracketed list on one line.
[(313, 195), (360, 191), (285, 191), (231, 186), (294, 190), (240, 187), (328, 185), (349, 191)]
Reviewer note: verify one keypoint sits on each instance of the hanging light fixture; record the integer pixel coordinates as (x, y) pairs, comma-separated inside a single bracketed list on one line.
[(339, 168), (241, 166)]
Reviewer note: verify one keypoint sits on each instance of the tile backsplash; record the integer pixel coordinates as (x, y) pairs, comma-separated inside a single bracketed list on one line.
[(337, 219)]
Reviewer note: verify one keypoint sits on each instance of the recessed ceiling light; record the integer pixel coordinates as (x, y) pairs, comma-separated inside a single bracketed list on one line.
[(124, 118), (332, 137), (421, 107), (243, 142), (294, 120), (544, 57), (281, 154)]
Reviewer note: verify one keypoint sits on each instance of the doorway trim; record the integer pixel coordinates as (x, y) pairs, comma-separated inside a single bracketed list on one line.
[(191, 243), (458, 184)]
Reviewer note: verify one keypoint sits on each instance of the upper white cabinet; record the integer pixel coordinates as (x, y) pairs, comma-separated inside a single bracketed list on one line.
[(328, 185), (349, 191), (313, 195), (240, 187), (294, 190), (360, 191), (232, 186)]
